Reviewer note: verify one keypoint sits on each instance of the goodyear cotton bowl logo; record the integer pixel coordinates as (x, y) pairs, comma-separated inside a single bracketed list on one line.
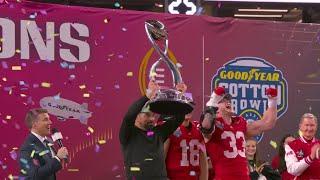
[(246, 79)]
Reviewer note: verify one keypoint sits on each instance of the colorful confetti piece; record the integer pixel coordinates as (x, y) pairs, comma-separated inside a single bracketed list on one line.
[(43, 153), (4, 65), (45, 85), (102, 142), (129, 74), (97, 148), (73, 170), (150, 133), (86, 95), (273, 144), (134, 169), (16, 68), (117, 4), (90, 129), (13, 155), (82, 86), (8, 117), (105, 20)]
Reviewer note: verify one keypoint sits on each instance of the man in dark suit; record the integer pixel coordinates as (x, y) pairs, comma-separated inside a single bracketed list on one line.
[(38, 159)]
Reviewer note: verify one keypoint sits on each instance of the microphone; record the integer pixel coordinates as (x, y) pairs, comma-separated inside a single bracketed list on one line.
[(57, 137)]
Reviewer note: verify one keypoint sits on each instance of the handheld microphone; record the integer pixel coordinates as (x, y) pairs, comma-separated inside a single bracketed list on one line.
[(57, 137)]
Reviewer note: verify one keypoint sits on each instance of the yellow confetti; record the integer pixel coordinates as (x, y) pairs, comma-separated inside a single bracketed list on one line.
[(4, 79), (23, 171), (102, 141), (153, 74), (45, 85), (273, 144), (43, 153), (130, 74), (8, 117), (90, 129), (134, 169), (73, 170), (82, 86), (23, 95), (16, 68), (86, 95), (18, 51), (300, 133), (32, 153), (105, 20)]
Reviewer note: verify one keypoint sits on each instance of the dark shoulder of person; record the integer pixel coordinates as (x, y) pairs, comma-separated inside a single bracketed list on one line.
[(270, 173)]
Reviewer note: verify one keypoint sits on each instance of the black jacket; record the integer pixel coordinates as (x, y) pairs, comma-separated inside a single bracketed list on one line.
[(143, 151), (36, 161)]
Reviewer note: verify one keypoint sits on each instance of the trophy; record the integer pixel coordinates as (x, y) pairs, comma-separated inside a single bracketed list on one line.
[(167, 101)]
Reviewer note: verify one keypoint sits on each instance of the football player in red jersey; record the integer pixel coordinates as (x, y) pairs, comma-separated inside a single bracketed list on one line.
[(225, 133), (302, 154), (185, 152)]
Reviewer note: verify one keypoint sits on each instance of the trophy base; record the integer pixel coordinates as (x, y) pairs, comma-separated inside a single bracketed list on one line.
[(170, 107)]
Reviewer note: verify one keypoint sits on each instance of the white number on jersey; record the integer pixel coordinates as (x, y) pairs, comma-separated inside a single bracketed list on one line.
[(233, 140), (194, 152)]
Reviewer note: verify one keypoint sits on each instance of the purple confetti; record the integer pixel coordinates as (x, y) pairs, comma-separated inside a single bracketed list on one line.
[(7, 88), (35, 85), (24, 64), (120, 56), (150, 133), (98, 87), (29, 100), (11, 6), (97, 148), (21, 83), (13, 155), (4, 167), (37, 61), (117, 86), (4, 65), (17, 126), (102, 37), (98, 104)]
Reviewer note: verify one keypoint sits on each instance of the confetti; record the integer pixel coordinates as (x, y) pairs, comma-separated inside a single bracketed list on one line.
[(23, 171), (45, 85), (148, 159), (33, 16), (179, 65), (98, 103), (4, 79), (43, 152), (192, 173), (115, 167), (17, 126), (8, 117), (13, 155), (64, 65), (106, 20), (24, 161), (158, 5), (98, 87), (72, 77), (16, 68), (124, 29), (18, 51), (35, 85), (117, 86), (73, 170), (82, 86), (117, 4), (134, 169), (4, 65), (273, 144), (32, 153), (86, 95), (120, 56), (90, 129), (72, 66), (150, 133), (97, 148), (15, 148), (207, 59), (102, 142), (129, 74), (56, 97), (23, 95)]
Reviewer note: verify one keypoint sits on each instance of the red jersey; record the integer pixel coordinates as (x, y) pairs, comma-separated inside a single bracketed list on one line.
[(183, 154), (226, 150), (276, 164), (298, 160)]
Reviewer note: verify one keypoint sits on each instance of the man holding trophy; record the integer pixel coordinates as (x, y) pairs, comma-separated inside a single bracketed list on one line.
[(141, 141)]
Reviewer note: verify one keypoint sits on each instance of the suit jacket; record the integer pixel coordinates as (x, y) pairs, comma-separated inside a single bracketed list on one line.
[(36, 161)]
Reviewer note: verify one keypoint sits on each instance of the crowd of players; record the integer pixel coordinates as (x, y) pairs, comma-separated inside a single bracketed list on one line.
[(219, 146)]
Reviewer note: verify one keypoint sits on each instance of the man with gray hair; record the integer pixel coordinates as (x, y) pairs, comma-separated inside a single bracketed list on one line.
[(38, 160), (302, 154)]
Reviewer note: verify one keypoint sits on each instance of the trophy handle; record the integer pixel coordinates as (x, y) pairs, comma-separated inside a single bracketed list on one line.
[(176, 75)]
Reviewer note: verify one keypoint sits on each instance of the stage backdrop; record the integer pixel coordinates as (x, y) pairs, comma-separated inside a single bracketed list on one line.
[(87, 65)]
